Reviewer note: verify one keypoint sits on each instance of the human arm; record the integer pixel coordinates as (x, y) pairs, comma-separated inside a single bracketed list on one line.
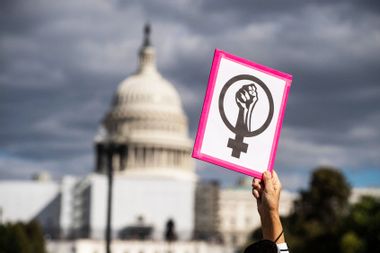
[(267, 193)]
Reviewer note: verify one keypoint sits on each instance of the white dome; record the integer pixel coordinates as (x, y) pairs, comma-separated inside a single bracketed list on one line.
[(146, 106), (147, 89)]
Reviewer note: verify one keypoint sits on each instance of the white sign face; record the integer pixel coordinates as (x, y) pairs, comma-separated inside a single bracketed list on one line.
[(242, 115)]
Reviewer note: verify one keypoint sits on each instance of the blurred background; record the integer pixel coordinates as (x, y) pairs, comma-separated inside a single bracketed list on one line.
[(66, 112)]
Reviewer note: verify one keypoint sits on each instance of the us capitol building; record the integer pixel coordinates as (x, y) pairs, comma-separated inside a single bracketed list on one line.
[(146, 134), (154, 184)]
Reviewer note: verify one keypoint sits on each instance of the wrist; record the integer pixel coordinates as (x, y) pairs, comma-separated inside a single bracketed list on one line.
[(272, 227), (270, 218), (269, 212)]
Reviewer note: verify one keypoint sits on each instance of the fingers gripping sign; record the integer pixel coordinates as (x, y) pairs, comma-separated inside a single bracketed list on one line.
[(256, 188), (267, 192)]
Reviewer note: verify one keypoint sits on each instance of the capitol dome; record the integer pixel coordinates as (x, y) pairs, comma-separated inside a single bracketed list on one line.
[(147, 124), (147, 88)]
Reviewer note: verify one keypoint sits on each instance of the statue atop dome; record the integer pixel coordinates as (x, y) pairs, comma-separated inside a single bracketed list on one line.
[(147, 30), (147, 53)]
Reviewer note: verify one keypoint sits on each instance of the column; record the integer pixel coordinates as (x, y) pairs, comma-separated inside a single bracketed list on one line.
[(154, 157), (176, 158), (165, 157), (149, 157), (160, 154), (182, 159), (169, 159), (138, 156), (123, 157), (132, 156), (172, 158), (143, 157), (116, 160), (186, 160)]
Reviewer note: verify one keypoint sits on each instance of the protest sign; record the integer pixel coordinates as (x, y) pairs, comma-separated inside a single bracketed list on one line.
[(242, 115)]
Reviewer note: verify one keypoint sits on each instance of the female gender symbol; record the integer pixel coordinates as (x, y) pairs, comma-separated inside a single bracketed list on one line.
[(238, 145)]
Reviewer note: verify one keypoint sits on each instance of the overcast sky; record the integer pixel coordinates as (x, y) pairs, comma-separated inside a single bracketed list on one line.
[(61, 61)]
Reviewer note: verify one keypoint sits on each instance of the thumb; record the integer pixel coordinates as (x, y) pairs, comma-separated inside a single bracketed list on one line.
[(268, 184)]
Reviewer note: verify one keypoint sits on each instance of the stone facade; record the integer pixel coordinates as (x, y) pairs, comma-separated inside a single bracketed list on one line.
[(206, 224)]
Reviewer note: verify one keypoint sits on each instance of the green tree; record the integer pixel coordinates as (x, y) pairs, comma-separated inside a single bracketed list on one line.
[(21, 238), (351, 243), (326, 202), (319, 212), (3, 238), (18, 241), (36, 238), (364, 222)]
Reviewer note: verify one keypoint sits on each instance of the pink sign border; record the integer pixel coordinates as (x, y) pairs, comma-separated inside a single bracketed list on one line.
[(218, 55)]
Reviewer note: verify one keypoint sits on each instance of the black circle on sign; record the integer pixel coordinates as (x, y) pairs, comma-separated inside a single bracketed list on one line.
[(267, 92)]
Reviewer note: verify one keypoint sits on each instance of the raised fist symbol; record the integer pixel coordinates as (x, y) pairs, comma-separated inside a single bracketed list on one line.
[(246, 98)]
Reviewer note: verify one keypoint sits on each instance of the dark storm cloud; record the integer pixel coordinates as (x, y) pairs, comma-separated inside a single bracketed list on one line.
[(61, 62)]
